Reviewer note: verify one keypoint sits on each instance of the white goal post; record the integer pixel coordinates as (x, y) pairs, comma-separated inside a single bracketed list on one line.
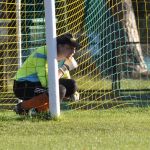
[(50, 21)]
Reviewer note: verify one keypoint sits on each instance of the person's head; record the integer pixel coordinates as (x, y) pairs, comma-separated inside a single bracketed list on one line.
[(66, 46)]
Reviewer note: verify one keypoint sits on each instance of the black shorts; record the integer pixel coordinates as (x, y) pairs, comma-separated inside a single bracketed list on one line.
[(25, 90)]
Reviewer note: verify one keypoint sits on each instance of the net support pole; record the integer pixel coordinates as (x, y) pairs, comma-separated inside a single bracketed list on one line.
[(18, 21), (54, 103), (18, 14)]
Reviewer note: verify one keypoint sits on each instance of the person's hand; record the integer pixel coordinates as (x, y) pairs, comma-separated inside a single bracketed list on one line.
[(75, 96), (70, 63)]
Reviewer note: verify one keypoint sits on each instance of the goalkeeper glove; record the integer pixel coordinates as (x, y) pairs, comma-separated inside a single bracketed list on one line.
[(71, 63)]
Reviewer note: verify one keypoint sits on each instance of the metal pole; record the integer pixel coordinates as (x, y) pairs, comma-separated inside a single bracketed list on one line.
[(54, 103), (18, 13), (18, 16)]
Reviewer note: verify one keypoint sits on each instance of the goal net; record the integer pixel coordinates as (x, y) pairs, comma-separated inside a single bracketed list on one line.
[(114, 58)]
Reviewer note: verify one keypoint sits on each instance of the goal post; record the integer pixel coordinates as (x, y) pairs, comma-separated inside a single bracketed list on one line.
[(53, 88)]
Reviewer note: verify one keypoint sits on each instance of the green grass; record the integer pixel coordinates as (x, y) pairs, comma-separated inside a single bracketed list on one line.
[(122, 129), (105, 84)]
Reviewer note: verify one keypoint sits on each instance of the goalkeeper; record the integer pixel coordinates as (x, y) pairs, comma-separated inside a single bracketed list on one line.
[(31, 80)]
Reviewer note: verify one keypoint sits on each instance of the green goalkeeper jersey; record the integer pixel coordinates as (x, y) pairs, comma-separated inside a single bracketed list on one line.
[(35, 68)]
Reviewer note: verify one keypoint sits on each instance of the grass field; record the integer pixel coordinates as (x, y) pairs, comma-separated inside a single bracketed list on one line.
[(105, 84), (113, 129)]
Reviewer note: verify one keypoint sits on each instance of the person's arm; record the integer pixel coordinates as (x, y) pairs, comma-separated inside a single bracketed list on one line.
[(68, 65), (60, 74), (42, 69), (76, 95)]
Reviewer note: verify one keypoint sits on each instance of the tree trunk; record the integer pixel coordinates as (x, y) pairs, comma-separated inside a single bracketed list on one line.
[(130, 27), (131, 51)]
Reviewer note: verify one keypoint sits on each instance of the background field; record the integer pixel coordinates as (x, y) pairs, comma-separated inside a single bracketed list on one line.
[(78, 130)]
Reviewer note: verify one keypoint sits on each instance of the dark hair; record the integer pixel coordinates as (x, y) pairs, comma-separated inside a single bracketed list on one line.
[(67, 39)]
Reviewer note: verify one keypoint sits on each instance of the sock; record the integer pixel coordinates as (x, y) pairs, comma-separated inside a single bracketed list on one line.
[(43, 108), (40, 102)]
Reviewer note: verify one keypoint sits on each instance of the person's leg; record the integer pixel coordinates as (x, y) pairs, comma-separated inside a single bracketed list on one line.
[(45, 107), (25, 90), (62, 91), (32, 94), (39, 101), (70, 85)]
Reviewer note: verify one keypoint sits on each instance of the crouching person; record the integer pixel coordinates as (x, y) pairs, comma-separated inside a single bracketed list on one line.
[(31, 80), (75, 96)]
